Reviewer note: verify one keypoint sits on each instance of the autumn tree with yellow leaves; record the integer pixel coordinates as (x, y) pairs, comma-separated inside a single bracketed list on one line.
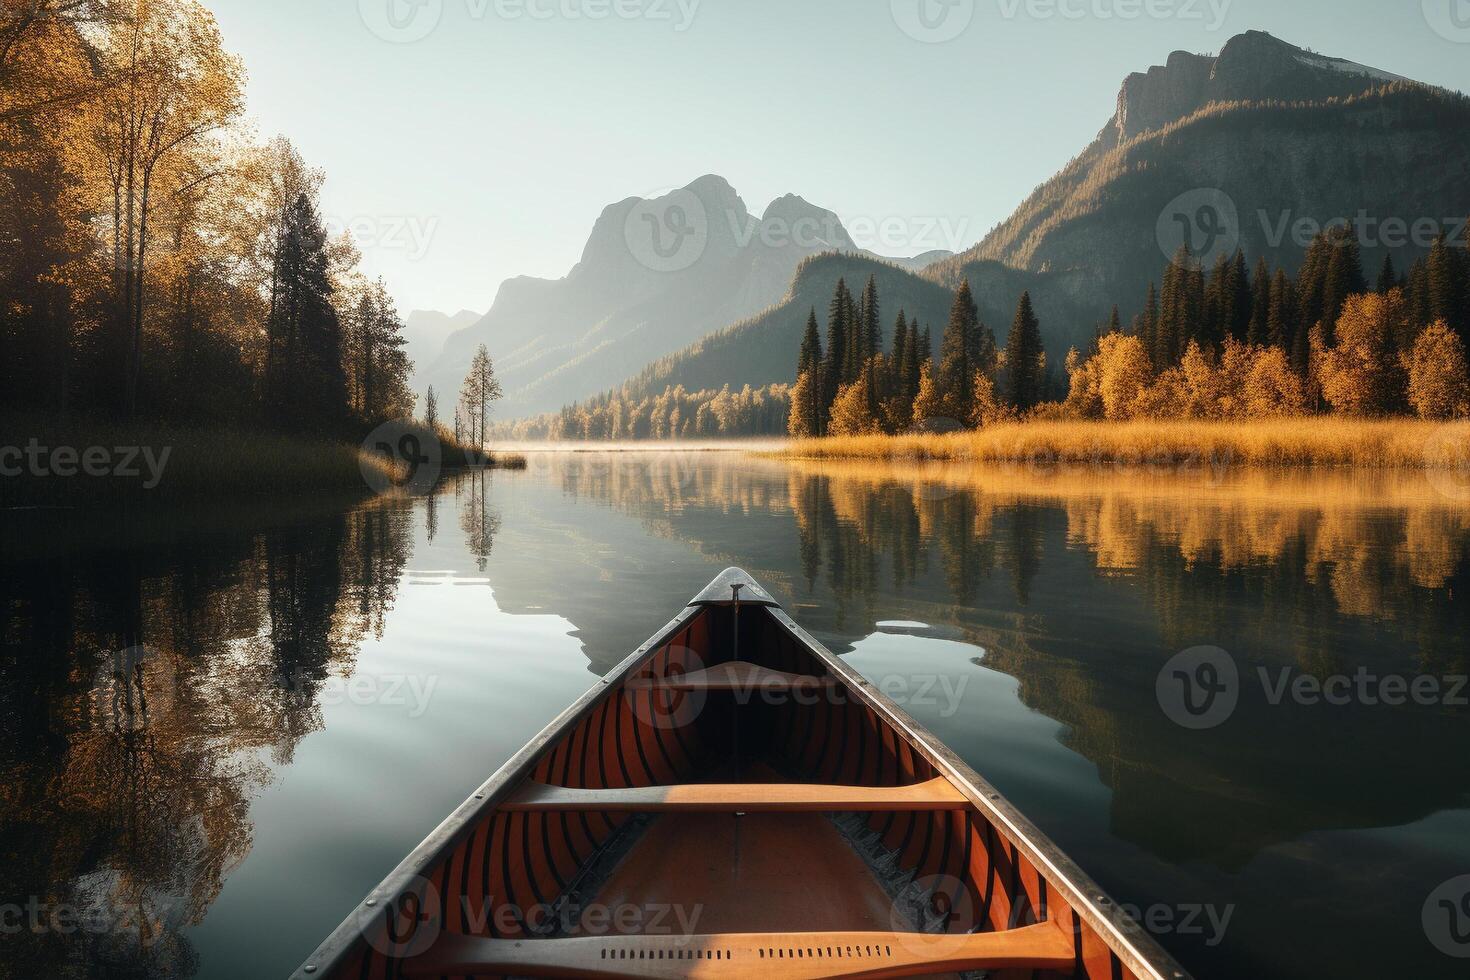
[(1438, 382), (1361, 374), (154, 262)]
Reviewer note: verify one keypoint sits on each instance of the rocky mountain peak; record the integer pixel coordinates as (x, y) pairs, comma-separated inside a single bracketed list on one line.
[(796, 221), (1254, 66)]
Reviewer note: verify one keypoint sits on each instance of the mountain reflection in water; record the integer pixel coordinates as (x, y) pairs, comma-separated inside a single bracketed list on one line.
[(180, 761)]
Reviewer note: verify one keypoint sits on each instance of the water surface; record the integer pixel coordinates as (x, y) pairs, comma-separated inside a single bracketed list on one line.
[(219, 729)]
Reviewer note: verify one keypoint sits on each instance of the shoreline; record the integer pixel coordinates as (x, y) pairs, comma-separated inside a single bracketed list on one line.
[(51, 465)]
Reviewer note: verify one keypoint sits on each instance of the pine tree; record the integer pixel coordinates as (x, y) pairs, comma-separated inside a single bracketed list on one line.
[(1388, 276), (957, 352), (838, 331), (308, 384), (1148, 325), (1312, 278), (916, 355), (379, 378), (1180, 308), (874, 375), (431, 408), (898, 362), (872, 327), (1115, 323), (1258, 332), (808, 411), (1444, 285), (1416, 291), (1344, 277), (1025, 358), (1240, 279), (1218, 312), (1281, 320), (809, 360)]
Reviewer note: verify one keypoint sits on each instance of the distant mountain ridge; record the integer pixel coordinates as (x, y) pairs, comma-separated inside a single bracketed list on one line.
[(628, 301), (1274, 128), (1278, 132)]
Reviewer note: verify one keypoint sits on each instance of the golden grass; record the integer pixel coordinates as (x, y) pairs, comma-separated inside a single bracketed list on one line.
[(1379, 444)]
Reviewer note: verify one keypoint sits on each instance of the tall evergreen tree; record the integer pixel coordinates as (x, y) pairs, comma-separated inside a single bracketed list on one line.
[(1148, 323), (1025, 358), (897, 363), (309, 384), (1388, 276), (916, 355), (1217, 316), (872, 326), (1281, 326), (807, 404), (1344, 277), (1240, 307), (838, 338), (871, 349), (1444, 283), (1416, 291), (1180, 308), (1115, 321), (1311, 279), (809, 360), (966, 348), (1258, 332)]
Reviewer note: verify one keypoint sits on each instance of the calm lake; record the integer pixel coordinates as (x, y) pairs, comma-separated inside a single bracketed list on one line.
[(220, 727)]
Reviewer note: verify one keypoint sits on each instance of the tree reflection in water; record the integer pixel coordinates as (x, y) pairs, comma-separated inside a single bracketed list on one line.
[(141, 697), (156, 672)]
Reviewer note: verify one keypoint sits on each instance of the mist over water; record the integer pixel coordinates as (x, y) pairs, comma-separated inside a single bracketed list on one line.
[(222, 728)]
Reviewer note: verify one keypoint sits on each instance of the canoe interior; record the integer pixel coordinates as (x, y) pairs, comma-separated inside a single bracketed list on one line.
[(536, 875)]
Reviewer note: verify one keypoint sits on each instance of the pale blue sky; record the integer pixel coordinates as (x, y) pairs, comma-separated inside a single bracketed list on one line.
[(488, 147)]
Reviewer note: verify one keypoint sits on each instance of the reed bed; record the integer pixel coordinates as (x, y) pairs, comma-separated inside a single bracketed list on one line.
[(1377, 444)]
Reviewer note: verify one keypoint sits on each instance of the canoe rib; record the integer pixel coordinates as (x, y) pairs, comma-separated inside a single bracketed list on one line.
[(935, 794), (774, 956), (737, 675)]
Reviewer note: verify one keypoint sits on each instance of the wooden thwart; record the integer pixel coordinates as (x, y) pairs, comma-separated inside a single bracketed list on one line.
[(774, 956), (736, 675), (936, 794)]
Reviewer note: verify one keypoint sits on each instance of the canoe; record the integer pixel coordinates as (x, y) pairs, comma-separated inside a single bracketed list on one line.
[(733, 799)]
